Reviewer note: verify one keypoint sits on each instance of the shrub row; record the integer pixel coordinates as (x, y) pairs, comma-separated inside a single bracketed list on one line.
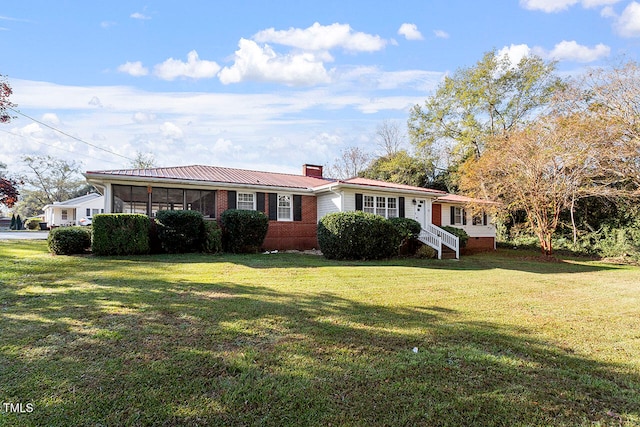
[(120, 234), (362, 235)]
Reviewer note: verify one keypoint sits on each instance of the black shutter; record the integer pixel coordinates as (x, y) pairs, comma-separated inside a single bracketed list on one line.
[(273, 206), (358, 202), (231, 199), (464, 216), (260, 202), (297, 208), (453, 216), (401, 207), (484, 219)]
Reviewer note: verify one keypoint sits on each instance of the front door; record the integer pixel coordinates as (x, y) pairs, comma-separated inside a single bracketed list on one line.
[(420, 212), (437, 215)]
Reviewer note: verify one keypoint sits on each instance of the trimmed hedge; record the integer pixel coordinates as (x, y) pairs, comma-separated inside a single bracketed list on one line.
[(120, 234), (69, 240), (357, 235), (409, 230), (460, 233), (180, 231), (243, 231), (213, 238)]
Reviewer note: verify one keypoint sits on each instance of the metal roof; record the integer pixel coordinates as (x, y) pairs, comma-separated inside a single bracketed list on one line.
[(215, 174)]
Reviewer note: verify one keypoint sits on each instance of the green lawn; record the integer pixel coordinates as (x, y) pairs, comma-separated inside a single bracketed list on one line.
[(287, 339)]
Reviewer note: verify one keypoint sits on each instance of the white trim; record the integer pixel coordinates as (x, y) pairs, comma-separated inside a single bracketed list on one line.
[(290, 196), (253, 197)]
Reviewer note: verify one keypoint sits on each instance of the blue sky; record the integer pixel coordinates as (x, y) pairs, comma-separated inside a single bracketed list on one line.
[(263, 85)]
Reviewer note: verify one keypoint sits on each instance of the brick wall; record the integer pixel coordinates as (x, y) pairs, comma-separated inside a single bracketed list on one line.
[(300, 235), (283, 235), (478, 244)]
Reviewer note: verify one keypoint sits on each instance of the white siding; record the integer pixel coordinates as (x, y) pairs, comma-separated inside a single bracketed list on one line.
[(488, 230), (328, 203)]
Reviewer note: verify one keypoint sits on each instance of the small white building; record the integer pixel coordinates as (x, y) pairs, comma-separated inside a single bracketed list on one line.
[(71, 211)]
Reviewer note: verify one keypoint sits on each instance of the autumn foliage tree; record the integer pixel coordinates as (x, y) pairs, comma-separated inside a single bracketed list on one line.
[(5, 103)]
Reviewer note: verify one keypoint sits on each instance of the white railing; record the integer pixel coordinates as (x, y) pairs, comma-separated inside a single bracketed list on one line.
[(432, 240), (447, 238)]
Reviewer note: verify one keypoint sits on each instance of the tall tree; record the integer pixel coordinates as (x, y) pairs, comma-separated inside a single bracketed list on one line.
[(49, 180), (492, 98), (143, 161), (351, 162), (5, 103), (541, 169), (402, 168), (390, 137)]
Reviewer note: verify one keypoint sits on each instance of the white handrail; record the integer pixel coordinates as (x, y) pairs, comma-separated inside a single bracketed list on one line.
[(447, 238), (432, 240)]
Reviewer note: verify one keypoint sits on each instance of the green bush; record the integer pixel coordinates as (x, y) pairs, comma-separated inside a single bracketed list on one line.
[(212, 238), (33, 223), (69, 240), (120, 234), (357, 235), (180, 231), (462, 235), (426, 252), (408, 229), (242, 230)]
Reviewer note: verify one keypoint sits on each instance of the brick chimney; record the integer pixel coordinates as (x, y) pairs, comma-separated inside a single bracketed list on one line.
[(312, 170)]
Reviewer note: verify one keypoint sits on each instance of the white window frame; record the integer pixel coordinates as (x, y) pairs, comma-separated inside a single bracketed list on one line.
[(253, 201), (289, 208), (458, 215), (379, 204), (64, 214)]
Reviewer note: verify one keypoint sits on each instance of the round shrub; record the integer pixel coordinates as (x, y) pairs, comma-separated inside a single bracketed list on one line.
[(243, 231), (462, 235), (69, 240), (409, 230), (212, 238), (357, 235), (33, 223), (180, 231)]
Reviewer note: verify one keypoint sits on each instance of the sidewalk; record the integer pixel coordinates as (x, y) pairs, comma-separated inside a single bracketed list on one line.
[(23, 235)]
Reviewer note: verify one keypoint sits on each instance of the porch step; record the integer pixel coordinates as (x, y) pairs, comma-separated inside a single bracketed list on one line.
[(448, 253)]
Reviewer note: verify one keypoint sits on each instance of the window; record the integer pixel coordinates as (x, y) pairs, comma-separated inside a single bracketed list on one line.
[(65, 214), (480, 219), (93, 211), (392, 207), (89, 211), (285, 207), (380, 205), (246, 201), (458, 216), (150, 200), (368, 204)]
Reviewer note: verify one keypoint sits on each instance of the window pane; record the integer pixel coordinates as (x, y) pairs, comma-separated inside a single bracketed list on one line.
[(368, 204), (121, 199), (159, 200), (284, 207), (245, 201), (208, 203), (392, 207), (175, 199)]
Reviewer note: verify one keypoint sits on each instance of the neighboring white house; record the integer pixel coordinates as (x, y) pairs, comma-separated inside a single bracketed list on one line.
[(71, 211)]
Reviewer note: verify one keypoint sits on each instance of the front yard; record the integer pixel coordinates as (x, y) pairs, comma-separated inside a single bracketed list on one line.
[(286, 339)]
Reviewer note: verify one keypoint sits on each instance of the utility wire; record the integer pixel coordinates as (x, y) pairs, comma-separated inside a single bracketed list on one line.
[(56, 147), (70, 136)]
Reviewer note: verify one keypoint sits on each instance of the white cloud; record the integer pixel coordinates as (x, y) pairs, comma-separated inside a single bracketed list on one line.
[(140, 117), (410, 32), (551, 6), (441, 34), (257, 63), (515, 52), (138, 15), (135, 69), (108, 24), (572, 51), (322, 37), (171, 131), (51, 118), (95, 102), (628, 23), (194, 68), (223, 146)]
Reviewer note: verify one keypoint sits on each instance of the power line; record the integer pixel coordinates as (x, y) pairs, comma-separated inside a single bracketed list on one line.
[(70, 136), (53, 146)]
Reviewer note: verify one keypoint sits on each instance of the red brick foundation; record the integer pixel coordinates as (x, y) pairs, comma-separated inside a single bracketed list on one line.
[(479, 244)]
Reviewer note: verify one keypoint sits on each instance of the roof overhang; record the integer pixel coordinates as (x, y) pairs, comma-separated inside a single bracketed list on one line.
[(375, 188)]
